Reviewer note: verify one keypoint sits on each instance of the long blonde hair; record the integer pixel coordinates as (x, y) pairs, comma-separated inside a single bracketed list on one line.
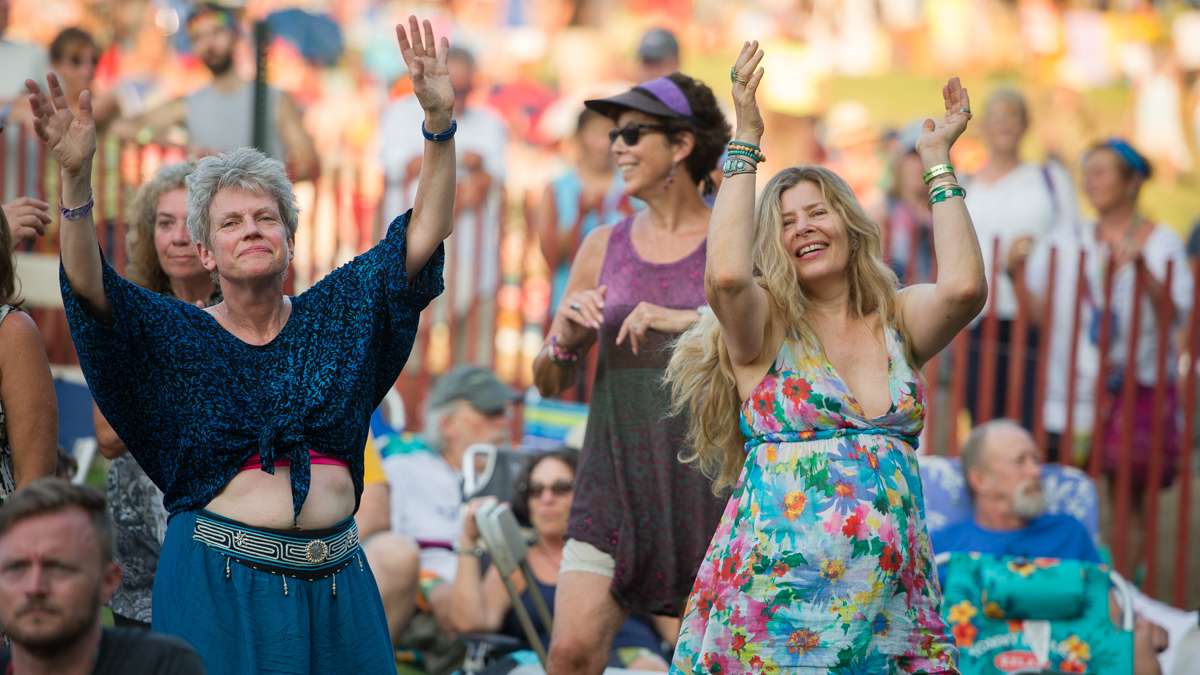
[(700, 373)]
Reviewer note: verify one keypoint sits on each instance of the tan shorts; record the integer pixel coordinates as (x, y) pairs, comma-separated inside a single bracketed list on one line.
[(580, 556)]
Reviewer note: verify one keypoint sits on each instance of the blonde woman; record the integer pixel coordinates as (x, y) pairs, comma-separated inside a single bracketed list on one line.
[(821, 561)]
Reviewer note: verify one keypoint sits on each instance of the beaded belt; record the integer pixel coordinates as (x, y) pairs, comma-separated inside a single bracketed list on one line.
[(302, 557)]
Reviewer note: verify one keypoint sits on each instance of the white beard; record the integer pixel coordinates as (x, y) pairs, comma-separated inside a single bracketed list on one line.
[(1029, 502)]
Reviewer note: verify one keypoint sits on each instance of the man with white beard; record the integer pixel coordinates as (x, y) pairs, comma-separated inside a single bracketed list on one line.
[(1002, 469)]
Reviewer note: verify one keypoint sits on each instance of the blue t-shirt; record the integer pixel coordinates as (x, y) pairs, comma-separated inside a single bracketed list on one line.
[(1052, 535)]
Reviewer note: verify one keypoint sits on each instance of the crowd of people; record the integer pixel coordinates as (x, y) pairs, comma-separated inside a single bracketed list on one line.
[(746, 495)]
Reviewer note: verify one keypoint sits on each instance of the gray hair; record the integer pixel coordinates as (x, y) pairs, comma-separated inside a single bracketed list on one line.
[(976, 444), (243, 169), (434, 416)]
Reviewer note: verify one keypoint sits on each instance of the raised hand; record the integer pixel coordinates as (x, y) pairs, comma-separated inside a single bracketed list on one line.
[(937, 137), (27, 218), (746, 75), (71, 138), (426, 64)]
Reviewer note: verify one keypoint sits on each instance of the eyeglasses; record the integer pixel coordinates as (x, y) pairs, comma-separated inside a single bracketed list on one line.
[(632, 133), (559, 488)]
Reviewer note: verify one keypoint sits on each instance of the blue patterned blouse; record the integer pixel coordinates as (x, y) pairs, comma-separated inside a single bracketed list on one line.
[(192, 402)]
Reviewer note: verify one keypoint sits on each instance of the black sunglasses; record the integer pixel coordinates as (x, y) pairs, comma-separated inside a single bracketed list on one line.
[(632, 133), (558, 488)]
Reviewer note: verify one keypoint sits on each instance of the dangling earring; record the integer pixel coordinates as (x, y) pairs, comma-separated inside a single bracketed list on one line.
[(670, 176)]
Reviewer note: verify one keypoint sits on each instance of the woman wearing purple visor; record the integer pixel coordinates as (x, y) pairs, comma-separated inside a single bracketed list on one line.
[(640, 519)]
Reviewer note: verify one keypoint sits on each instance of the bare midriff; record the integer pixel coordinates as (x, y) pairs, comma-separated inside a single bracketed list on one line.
[(261, 499)]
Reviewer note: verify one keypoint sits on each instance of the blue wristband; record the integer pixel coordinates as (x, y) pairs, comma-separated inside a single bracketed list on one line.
[(441, 136)]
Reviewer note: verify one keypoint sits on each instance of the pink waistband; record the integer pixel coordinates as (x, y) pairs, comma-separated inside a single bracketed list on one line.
[(314, 457)]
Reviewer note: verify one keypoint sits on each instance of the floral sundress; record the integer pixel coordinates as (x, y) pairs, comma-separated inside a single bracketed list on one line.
[(822, 562)]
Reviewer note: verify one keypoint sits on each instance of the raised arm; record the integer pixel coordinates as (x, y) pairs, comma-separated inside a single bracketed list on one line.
[(154, 122), (740, 304), (934, 313), (71, 139), (433, 208), (298, 145)]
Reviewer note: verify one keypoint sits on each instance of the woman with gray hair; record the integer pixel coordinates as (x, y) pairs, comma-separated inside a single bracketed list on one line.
[(251, 415)]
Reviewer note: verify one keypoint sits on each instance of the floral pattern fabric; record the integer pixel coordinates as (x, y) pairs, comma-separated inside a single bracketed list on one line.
[(991, 639), (822, 562)]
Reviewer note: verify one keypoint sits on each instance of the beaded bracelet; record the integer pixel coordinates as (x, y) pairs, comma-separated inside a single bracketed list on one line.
[(743, 153), (946, 193), (935, 171), (751, 148), (560, 355)]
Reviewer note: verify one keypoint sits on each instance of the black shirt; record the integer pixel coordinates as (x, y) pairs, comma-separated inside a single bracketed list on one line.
[(130, 651)]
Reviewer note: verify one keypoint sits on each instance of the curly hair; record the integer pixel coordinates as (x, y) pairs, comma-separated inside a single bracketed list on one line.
[(707, 125), (144, 268)]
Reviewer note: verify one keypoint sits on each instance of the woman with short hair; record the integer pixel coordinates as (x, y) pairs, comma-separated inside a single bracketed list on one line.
[(251, 415), (481, 603)]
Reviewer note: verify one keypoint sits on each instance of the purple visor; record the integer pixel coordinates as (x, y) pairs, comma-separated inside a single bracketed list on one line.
[(660, 97)]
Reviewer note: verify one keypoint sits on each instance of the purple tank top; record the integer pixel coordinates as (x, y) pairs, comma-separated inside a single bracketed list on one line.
[(632, 280), (634, 499)]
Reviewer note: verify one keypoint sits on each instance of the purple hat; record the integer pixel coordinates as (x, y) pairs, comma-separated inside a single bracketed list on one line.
[(660, 97)]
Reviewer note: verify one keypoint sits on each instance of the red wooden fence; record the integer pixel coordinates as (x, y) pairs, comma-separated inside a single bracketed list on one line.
[(121, 167)]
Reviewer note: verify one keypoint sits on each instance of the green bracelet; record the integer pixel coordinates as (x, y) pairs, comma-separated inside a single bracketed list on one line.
[(945, 193), (935, 171), (743, 153)]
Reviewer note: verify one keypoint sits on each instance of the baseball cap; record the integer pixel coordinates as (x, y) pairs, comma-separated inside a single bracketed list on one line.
[(475, 385), (658, 45)]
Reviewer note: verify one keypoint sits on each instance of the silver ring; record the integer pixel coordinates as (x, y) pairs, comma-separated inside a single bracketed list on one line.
[(965, 110), (574, 306)]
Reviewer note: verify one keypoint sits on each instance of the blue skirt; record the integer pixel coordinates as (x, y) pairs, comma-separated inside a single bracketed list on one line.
[(252, 600)]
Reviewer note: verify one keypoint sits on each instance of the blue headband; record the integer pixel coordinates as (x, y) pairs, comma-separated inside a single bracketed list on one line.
[(1132, 158)]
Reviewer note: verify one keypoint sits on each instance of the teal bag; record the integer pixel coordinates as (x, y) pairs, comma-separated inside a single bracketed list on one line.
[(998, 611)]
